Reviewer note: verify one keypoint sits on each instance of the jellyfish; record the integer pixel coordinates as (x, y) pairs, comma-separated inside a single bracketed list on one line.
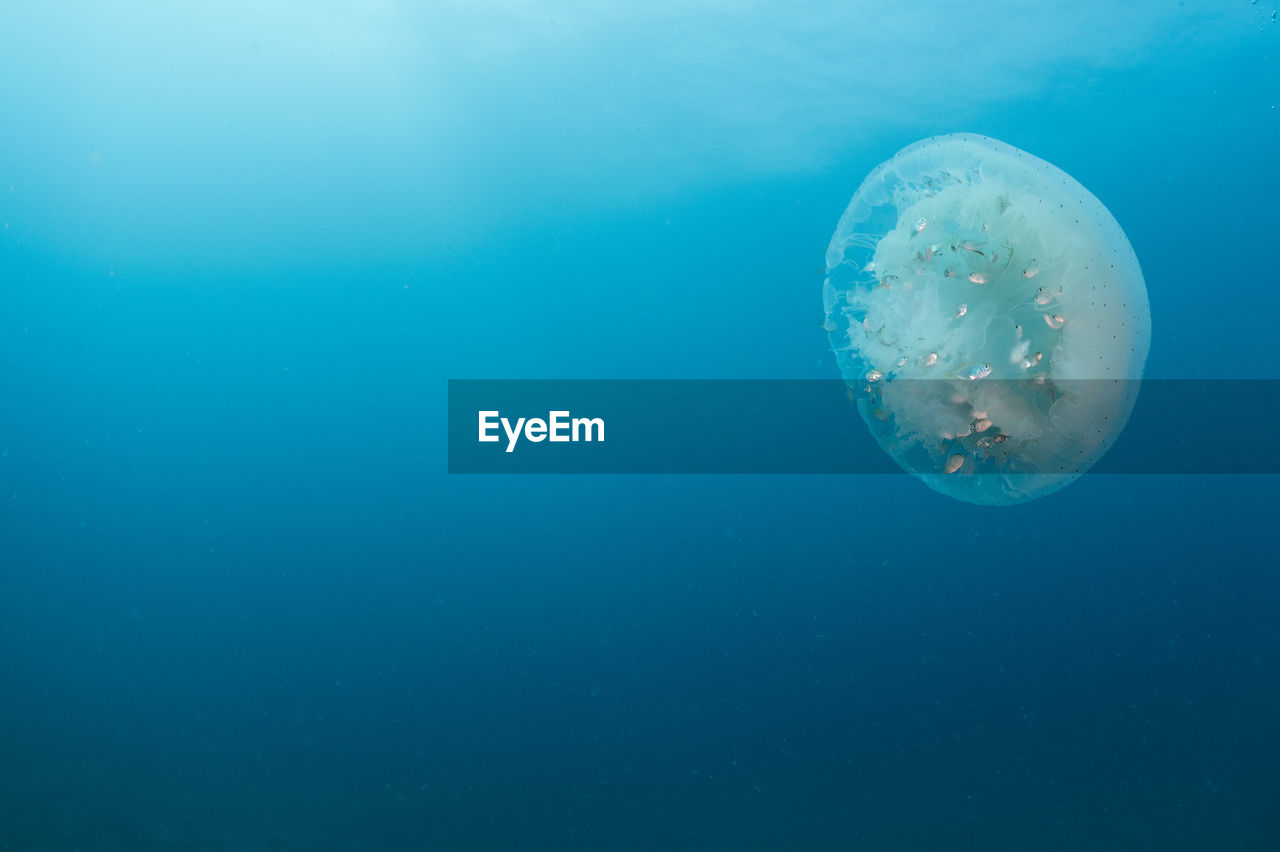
[(1000, 308)]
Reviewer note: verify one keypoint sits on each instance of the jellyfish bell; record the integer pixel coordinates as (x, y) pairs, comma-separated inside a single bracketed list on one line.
[(1049, 340)]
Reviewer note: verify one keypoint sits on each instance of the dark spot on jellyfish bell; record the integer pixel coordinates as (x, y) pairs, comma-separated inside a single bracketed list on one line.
[(1049, 352)]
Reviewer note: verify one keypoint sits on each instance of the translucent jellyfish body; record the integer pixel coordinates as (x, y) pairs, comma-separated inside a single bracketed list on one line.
[(1001, 311)]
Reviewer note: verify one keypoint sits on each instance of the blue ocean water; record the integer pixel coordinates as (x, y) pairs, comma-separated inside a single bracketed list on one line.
[(243, 606)]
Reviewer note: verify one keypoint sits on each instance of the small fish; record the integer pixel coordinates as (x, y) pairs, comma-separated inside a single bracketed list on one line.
[(1031, 271), (931, 359), (953, 463), (981, 426), (874, 375), (1000, 439), (902, 362), (977, 278), (920, 226), (970, 245), (1054, 320), (979, 372), (961, 310)]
